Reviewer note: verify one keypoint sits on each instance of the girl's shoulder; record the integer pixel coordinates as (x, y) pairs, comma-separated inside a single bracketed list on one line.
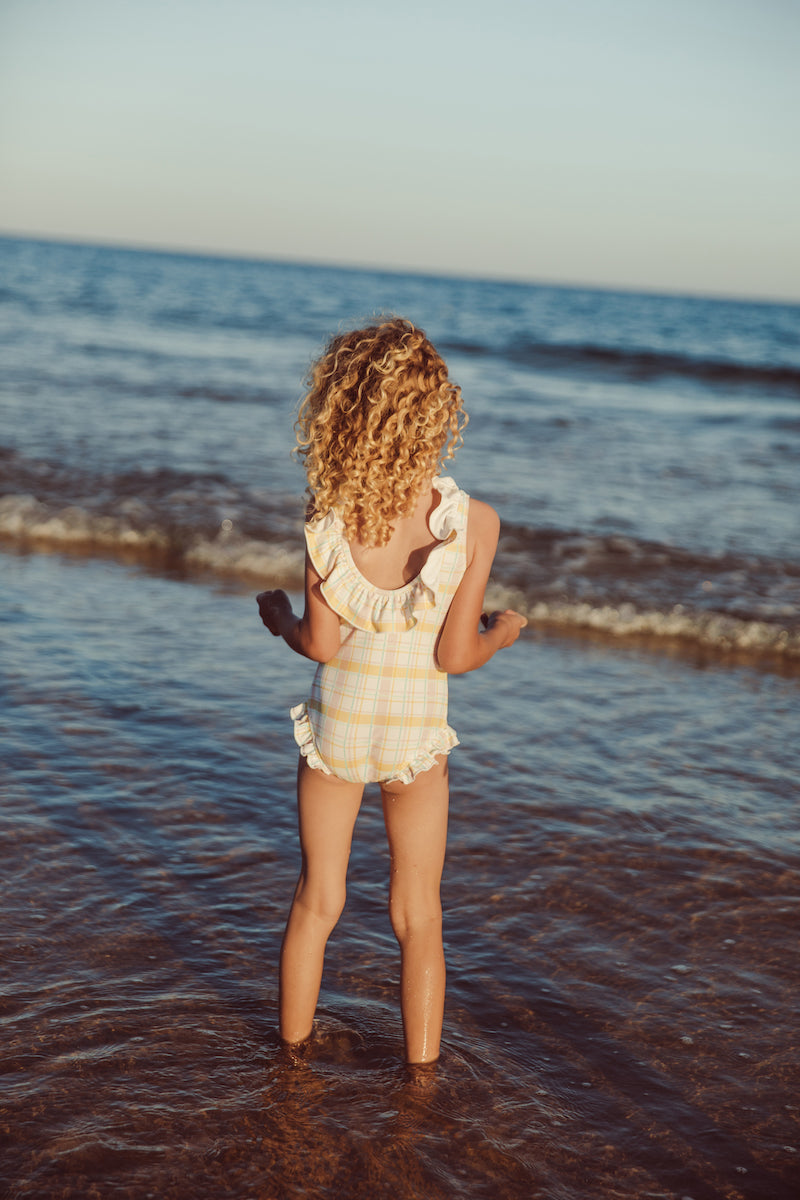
[(483, 519), (483, 527), (482, 515)]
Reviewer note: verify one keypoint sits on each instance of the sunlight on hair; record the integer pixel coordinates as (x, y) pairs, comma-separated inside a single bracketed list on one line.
[(379, 420)]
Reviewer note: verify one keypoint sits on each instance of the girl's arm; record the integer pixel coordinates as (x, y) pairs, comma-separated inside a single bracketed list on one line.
[(316, 634), (463, 645)]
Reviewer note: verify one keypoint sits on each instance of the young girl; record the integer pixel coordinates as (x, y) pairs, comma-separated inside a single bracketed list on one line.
[(397, 562)]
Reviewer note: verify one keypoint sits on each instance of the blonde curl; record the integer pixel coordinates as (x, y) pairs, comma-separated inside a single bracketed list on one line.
[(380, 418)]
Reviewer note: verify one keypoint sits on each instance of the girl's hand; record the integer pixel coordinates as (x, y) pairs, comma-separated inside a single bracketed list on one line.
[(508, 622), (315, 635), (273, 607)]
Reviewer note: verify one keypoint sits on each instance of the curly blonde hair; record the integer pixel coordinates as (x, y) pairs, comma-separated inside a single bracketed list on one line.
[(380, 418)]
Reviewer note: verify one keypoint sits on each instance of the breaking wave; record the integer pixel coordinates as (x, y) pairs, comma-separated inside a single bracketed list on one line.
[(612, 586)]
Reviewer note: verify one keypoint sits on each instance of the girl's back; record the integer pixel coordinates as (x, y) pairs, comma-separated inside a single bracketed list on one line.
[(405, 554)]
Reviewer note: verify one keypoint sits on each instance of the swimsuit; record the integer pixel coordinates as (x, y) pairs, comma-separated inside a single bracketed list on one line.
[(378, 709)]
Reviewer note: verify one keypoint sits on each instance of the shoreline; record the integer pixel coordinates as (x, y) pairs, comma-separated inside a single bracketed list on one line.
[(710, 642)]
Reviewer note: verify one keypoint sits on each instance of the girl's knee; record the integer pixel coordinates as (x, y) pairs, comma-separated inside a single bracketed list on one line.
[(324, 903), (414, 915)]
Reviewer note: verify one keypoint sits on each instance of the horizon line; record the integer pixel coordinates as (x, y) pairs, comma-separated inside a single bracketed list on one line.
[(145, 247)]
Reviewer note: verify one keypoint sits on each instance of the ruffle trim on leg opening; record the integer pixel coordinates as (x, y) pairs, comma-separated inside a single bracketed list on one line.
[(442, 742), (304, 736)]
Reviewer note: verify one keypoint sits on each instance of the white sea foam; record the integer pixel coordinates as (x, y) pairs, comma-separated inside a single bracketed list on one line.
[(27, 522), (24, 519), (160, 533), (277, 565), (714, 630)]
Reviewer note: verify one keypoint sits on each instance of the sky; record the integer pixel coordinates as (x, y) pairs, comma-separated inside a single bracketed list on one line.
[(650, 144)]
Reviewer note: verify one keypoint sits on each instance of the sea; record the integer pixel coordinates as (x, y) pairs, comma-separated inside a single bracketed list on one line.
[(622, 885)]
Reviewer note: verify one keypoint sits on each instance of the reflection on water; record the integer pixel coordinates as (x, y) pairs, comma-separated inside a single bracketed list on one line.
[(621, 901)]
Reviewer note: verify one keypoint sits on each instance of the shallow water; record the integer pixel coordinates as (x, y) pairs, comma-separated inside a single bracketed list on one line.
[(621, 897)]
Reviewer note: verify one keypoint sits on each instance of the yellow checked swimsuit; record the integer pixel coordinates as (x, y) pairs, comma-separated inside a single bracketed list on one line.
[(378, 709)]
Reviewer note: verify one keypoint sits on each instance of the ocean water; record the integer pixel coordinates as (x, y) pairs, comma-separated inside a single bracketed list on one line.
[(642, 450), (623, 876)]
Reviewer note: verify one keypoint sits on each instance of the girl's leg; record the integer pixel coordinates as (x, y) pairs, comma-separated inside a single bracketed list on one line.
[(416, 825), (327, 811)]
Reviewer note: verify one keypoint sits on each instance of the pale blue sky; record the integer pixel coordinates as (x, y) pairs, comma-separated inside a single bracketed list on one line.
[(636, 143)]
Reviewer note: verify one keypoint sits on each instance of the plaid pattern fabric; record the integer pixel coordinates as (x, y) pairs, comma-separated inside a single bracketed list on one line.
[(378, 710)]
